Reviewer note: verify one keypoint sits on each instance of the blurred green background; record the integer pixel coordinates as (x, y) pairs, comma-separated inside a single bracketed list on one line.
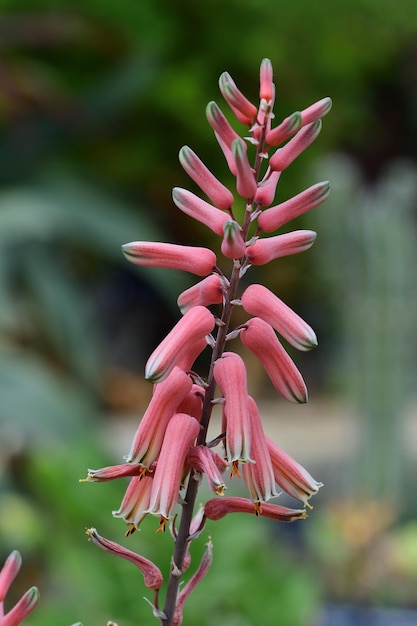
[(96, 99)]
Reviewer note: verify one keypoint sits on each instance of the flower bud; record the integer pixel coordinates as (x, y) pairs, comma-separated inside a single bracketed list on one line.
[(199, 261), (274, 217), (201, 175), (316, 111), (259, 301), (224, 133), (285, 130), (217, 508), (207, 291), (267, 249), (244, 110), (245, 179), (265, 192), (266, 89), (284, 156), (196, 323), (233, 246), (199, 209), (262, 341)]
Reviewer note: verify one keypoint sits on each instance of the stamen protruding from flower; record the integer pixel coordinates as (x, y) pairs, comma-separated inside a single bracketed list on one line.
[(135, 503), (244, 110), (269, 248), (199, 209), (259, 301), (196, 323), (284, 156), (273, 218), (207, 461), (261, 339), (199, 261), (151, 573), (220, 195)]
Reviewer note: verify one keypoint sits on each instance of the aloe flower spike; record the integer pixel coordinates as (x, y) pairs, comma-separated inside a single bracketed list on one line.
[(201, 175)]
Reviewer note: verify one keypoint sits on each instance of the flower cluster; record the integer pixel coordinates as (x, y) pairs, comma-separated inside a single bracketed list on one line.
[(170, 451), (27, 602)]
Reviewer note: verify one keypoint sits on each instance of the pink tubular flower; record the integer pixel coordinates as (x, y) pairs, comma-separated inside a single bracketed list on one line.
[(262, 341), (290, 475), (151, 573), (208, 462), (244, 110), (27, 602), (230, 375), (148, 438), (199, 261), (112, 472), (274, 217), (233, 246), (260, 301), (316, 111), (245, 179), (181, 433), (224, 133), (288, 127), (258, 476), (267, 249), (207, 291), (196, 323), (135, 503), (266, 88), (201, 175), (217, 508), (193, 402), (265, 192), (283, 157), (186, 358), (197, 577), (199, 209)]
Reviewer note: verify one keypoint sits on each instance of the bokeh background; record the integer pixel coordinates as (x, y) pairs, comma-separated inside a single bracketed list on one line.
[(96, 99)]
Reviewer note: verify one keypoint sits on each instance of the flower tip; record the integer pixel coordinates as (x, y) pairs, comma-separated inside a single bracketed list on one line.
[(32, 596)]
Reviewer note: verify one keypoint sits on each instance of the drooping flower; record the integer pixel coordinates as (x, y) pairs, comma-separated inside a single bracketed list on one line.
[(205, 292), (197, 577), (261, 339), (259, 475), (230, 375), (259, 301), (195, 324), (210, 463), (290, 475), (181, 433), (135, 503), (148, 438), (151, 573)]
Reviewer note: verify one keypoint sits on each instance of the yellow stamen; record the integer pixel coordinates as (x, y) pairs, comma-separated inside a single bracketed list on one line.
[(130, 530), (162, 524), (258, 508), (235, 470)]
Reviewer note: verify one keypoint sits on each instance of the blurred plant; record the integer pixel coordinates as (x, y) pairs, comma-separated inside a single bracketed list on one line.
[(170, 450), (368, 268)]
